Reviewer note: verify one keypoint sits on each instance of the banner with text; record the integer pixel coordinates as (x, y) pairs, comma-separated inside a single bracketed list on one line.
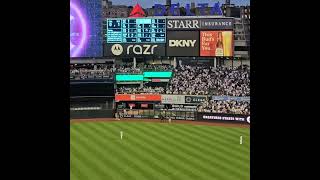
[(216, 43), (137, 97), (172, 99), (223, 117), (231, 98)]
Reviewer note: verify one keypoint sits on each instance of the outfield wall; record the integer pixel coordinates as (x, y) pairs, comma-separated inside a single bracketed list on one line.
[(88, 114)]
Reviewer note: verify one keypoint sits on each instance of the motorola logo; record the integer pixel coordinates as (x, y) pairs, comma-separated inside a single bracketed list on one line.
[(117, 49), (182, 43), (141, 49)]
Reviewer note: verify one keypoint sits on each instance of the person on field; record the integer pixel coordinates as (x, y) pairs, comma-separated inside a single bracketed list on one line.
[(116, 115), (160, 117)]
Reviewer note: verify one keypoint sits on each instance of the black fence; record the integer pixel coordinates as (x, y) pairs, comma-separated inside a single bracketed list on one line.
[(91, 107), (155, 114)]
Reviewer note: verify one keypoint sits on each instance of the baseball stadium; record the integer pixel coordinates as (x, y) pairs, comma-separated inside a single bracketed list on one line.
[(160, 91)]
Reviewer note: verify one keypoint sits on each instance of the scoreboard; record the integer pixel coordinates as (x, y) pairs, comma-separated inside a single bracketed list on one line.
[(138, 30)]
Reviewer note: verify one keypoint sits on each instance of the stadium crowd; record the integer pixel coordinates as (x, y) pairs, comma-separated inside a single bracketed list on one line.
[(201, 80), (229, 107), (140, 90), (92, 71), (187, 80)]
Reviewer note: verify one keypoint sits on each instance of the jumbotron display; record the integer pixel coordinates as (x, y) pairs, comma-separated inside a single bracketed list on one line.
[(85, 28), (140, 30)]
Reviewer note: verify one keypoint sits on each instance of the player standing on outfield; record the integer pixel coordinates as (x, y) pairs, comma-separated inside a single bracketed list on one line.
[(121, 134), (117, 115)]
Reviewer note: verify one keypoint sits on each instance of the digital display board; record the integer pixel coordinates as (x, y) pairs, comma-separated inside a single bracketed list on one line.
[(85, 28), (136, 30), (134, 77), (216, 43), (157, 74)]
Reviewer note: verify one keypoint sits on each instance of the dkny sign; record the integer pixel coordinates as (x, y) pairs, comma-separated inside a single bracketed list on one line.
[(183, 43), (135, 50), (200, 24)]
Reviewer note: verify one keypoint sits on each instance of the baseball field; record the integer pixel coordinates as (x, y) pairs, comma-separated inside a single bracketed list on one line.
[(158, 151)]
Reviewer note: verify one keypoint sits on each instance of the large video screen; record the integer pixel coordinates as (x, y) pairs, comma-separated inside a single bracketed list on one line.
[(216, 43), (139, 30), (85, 28)]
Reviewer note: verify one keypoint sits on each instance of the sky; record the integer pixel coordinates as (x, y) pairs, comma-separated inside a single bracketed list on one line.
[(150, 3)]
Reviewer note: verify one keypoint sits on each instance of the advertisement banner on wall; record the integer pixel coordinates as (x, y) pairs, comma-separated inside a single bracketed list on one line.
[(137, 97), (183, 43), (133, 49), (216, 43), (181, 99), (223, 117), (172, 99), (195, 99), (200, 24), (231, 98)]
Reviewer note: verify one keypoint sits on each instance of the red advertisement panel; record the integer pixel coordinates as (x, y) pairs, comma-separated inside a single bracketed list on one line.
[(216, 43), (144, 105), (137, 97)]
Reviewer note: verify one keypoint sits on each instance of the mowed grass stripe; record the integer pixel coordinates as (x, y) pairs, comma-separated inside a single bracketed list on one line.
[(190, 149), (84, 143), (238, 157), (142, 161), (216, 140), (216, 134), (232, 143), (120, 163), (87, 166), (79, 175), (166, 154), (169, 169), (184, 153), (208, 149), (135, 161), (161, 156), (230, 131), (89, 152), (235, 132), (72, 176)]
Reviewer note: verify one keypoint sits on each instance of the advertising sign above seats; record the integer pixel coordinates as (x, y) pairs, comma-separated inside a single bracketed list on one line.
[(137, 97), (183, 43), (216, 43), (134, 50), (200, 24)]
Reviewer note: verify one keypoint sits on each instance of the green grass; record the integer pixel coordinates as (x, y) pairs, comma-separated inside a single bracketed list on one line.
[(155, 151)]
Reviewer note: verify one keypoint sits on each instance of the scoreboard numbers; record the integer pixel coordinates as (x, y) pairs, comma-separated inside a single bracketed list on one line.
[(140, 30)]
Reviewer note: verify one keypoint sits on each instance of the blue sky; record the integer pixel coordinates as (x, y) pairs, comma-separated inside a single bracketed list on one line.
[(149, 3)]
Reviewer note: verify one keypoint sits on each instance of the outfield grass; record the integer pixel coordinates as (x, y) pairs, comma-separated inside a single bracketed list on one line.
[(155, 151)]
